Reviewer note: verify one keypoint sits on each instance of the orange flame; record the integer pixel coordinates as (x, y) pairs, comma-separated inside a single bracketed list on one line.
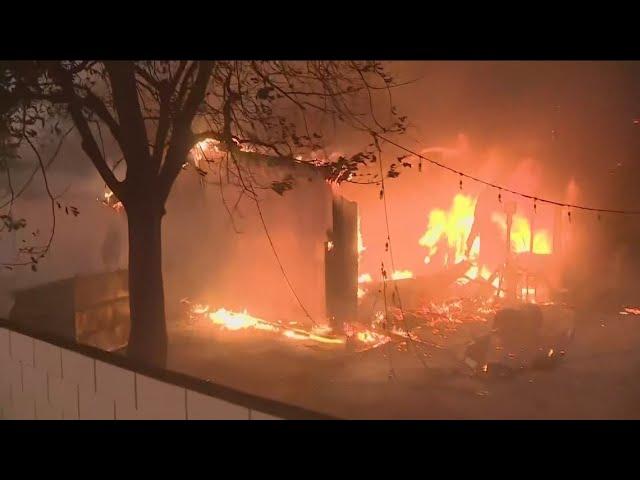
[(452, 226)]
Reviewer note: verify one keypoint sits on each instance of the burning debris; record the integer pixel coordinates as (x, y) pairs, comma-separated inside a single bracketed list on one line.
[(364, 338), (234, 321), (481, 255), (110, 200), (630, 311)]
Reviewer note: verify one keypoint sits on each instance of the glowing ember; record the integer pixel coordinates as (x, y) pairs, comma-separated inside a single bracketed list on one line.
[(111, 201), (204, 150), (401, 274), (630, 311), (528, 293), (369, 339), (234, 321), (361, 247), (373, 339), (364, 278)]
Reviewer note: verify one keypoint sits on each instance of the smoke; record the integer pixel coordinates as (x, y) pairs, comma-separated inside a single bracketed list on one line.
[(566, 131), (563, 130)]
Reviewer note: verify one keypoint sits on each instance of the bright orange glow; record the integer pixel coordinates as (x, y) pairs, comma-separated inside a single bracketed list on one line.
[(235, 321), (521, 235), (401, 274), (368, 338), (448, 231), (364, 278), (452, 226), (630, 311), (373, 339), (361, 247), (111, 201), (205, 150)]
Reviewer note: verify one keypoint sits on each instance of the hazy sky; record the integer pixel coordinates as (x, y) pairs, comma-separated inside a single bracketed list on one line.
[(577, 116)]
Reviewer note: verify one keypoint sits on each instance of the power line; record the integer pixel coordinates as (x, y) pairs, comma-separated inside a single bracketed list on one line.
[(505, 189)]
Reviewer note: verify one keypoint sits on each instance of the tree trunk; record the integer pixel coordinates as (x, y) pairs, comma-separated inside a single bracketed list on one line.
[(148, 338)]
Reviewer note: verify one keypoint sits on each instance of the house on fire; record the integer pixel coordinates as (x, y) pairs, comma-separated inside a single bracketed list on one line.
[(270, 236)]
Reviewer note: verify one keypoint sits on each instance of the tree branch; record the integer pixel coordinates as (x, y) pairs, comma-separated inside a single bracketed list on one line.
[(182, 138), (89, 144), (133, 139)]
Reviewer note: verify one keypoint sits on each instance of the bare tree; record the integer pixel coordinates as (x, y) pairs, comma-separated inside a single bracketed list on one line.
[(156, 111)]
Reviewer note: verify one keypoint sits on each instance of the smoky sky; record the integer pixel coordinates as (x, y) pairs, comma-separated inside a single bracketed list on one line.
[(576, 117)]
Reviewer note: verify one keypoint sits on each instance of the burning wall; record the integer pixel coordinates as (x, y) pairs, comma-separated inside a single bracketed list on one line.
[(221, 255), (437, 221)]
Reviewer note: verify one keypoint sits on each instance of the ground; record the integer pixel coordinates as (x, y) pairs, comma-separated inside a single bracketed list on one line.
[(595, 379)]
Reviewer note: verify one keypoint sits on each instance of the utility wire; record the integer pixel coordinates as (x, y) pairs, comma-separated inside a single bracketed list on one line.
[(505, 189)]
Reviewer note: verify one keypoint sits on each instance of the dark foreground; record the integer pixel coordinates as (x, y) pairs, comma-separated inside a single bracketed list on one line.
[(596, 378)]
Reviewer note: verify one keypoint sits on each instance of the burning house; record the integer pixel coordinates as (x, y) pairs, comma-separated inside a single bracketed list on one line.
[(411, 288), (268, 244)]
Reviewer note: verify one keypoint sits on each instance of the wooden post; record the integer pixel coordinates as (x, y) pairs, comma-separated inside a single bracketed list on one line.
[(510, 281), (341, 264)]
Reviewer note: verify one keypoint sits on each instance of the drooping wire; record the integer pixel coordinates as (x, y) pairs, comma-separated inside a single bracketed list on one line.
[(502, 188), (390, 248), (275, 251)]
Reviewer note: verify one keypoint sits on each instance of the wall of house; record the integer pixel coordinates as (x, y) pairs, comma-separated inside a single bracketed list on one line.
[(226, 260), (40, 380)]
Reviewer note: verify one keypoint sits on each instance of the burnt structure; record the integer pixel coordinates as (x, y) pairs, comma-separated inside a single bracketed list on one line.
[(341, 264), (239, 252)]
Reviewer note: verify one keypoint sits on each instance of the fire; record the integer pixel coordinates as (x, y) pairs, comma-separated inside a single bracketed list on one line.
[(111, 201), (234, 321), (521, 235), (205, 150), (237, 321), (364, 278), (329, 246), (369, 339), (401, 274), (361, 247), (528, 293), (630, 311), (397, 275), (452, 226)]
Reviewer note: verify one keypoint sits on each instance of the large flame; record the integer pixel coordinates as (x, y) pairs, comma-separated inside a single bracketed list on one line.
[(452, 226), (521, 234), (451, 229)]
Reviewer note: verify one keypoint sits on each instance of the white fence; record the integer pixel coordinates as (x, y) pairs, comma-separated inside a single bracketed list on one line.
[(41, 380)]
